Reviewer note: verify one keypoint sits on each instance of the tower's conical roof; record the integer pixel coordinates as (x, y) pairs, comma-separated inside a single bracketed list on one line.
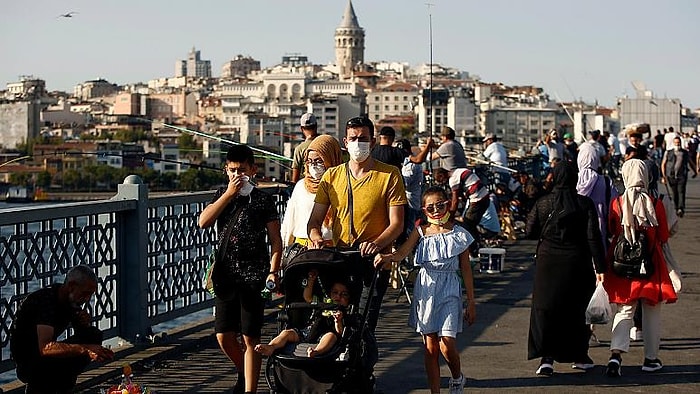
[(349, 17)]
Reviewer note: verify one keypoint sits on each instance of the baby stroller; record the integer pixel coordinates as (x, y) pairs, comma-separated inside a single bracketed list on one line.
[(348, 366)]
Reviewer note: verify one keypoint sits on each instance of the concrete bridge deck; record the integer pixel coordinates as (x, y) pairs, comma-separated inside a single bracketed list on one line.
[(493, 350)]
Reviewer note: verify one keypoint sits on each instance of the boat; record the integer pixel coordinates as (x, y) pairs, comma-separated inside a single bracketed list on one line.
[(19, 194)]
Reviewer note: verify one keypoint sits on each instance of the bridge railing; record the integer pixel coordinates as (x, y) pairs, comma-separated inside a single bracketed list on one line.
[(148, 253)]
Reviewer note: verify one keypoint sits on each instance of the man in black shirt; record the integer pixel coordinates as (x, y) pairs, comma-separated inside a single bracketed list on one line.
[(44, 363), (385, 152)]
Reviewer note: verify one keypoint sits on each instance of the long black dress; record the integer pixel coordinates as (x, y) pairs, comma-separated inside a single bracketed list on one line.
[(564, 275)]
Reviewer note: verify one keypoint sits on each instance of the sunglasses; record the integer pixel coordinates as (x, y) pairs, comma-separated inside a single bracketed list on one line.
[(437, 207), (313, 162), (360, 121)]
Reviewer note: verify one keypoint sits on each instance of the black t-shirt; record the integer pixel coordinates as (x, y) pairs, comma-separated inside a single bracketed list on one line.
[(247, 257), (389, 155), (41, 307)]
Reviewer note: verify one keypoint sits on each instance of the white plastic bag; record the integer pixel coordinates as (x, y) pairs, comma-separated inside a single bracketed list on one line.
[(599, 310)]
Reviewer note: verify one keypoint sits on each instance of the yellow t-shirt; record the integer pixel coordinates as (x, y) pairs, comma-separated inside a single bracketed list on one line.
[(372, 195)]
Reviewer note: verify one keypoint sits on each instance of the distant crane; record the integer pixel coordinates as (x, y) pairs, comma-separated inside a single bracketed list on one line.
[(67, 14)]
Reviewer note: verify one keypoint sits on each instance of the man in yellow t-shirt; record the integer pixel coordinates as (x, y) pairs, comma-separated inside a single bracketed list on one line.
[(377, 209)]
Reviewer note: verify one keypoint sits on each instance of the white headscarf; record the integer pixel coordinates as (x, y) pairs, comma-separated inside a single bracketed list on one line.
[(588, 163), (637, 205)]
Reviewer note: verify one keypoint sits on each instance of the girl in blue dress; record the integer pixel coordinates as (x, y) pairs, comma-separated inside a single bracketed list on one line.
[(436, 310)]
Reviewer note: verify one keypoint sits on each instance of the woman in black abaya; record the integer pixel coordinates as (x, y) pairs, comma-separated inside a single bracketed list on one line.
[(570, 247)]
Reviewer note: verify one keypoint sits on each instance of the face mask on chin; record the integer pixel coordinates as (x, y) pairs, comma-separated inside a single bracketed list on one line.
[(358, 151), (676, 147), (438, 220)]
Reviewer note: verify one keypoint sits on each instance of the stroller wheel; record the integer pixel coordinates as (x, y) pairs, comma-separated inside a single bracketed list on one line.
[(270, 375)]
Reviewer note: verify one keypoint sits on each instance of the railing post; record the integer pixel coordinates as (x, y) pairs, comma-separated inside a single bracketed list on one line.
[(132, 269)]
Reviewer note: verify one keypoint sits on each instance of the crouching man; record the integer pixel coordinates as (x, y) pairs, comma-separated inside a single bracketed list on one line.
[(45, 364)]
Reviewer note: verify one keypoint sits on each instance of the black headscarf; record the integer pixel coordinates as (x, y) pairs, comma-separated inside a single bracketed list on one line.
[(565, 195)]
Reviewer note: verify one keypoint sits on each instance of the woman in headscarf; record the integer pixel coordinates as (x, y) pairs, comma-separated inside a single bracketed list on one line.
[(566, 224), (634, 211), (594, 185), (322, 154)]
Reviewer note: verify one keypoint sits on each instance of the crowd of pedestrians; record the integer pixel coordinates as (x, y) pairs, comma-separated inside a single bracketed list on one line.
[(379, 203)]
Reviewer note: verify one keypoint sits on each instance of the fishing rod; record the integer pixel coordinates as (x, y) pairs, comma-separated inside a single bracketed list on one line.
[(490, 163), (430, 84), (223, 140), (14, 160), (142, 157)]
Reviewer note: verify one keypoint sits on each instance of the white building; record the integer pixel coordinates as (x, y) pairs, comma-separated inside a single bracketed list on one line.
[(19, 122), (95, 88), (659, 113), (441, 107), (396, 99), (194, 66), (26, 87)]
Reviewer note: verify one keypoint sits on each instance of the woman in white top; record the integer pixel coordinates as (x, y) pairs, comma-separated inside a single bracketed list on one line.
[(322, 153)]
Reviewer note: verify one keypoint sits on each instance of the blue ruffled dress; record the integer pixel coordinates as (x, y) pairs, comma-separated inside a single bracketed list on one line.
[(437, 292)]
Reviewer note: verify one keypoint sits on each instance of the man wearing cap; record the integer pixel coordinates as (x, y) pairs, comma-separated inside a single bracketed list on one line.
[(554, 148), (496, 154), (385, 151), (450, 152), (570, 147), (309, 128)]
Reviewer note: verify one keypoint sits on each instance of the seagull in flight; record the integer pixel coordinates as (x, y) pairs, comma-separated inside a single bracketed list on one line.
[(67, 14)]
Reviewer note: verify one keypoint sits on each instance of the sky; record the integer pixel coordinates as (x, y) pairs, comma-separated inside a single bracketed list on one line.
[(590, 50)]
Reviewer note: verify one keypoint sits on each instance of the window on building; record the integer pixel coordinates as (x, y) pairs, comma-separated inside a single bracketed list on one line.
[(396, 108), (386, 108), (376, 108), (376, 98), (396, 98)]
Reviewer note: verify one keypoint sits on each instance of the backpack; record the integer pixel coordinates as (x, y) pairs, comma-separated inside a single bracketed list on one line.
[(632, 260)]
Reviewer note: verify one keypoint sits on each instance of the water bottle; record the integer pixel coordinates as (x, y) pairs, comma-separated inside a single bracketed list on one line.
[(266, 293)]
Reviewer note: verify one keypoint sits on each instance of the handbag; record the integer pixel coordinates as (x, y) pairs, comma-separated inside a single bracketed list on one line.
[(632, 260), (219, 253)]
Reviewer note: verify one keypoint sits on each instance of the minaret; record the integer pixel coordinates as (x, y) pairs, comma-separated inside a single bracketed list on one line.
[(349, 43)]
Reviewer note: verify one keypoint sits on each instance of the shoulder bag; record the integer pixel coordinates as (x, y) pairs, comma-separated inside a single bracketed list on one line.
[(632, 260), (219, 253)]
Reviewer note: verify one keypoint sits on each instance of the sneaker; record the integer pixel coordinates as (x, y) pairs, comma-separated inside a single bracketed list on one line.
[(614, 364), (680, 213), (652, 365), (457, 385), (546, 368), (636, 334)]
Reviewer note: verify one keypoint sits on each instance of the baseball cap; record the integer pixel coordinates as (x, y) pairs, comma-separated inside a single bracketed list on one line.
[(568, 136), (448, 131), (387, 131), (404, 145), (307, 120), (487, 137)]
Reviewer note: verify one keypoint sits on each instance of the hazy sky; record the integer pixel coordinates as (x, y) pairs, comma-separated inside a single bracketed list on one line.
[(573, 49)]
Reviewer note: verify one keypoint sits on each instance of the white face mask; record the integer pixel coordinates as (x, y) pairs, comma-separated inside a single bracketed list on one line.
[(247, 187), (676, 147), (358, 151), (316, 170)]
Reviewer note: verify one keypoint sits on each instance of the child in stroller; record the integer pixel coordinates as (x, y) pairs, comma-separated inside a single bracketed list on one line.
[(325, 327), (314, 283)]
